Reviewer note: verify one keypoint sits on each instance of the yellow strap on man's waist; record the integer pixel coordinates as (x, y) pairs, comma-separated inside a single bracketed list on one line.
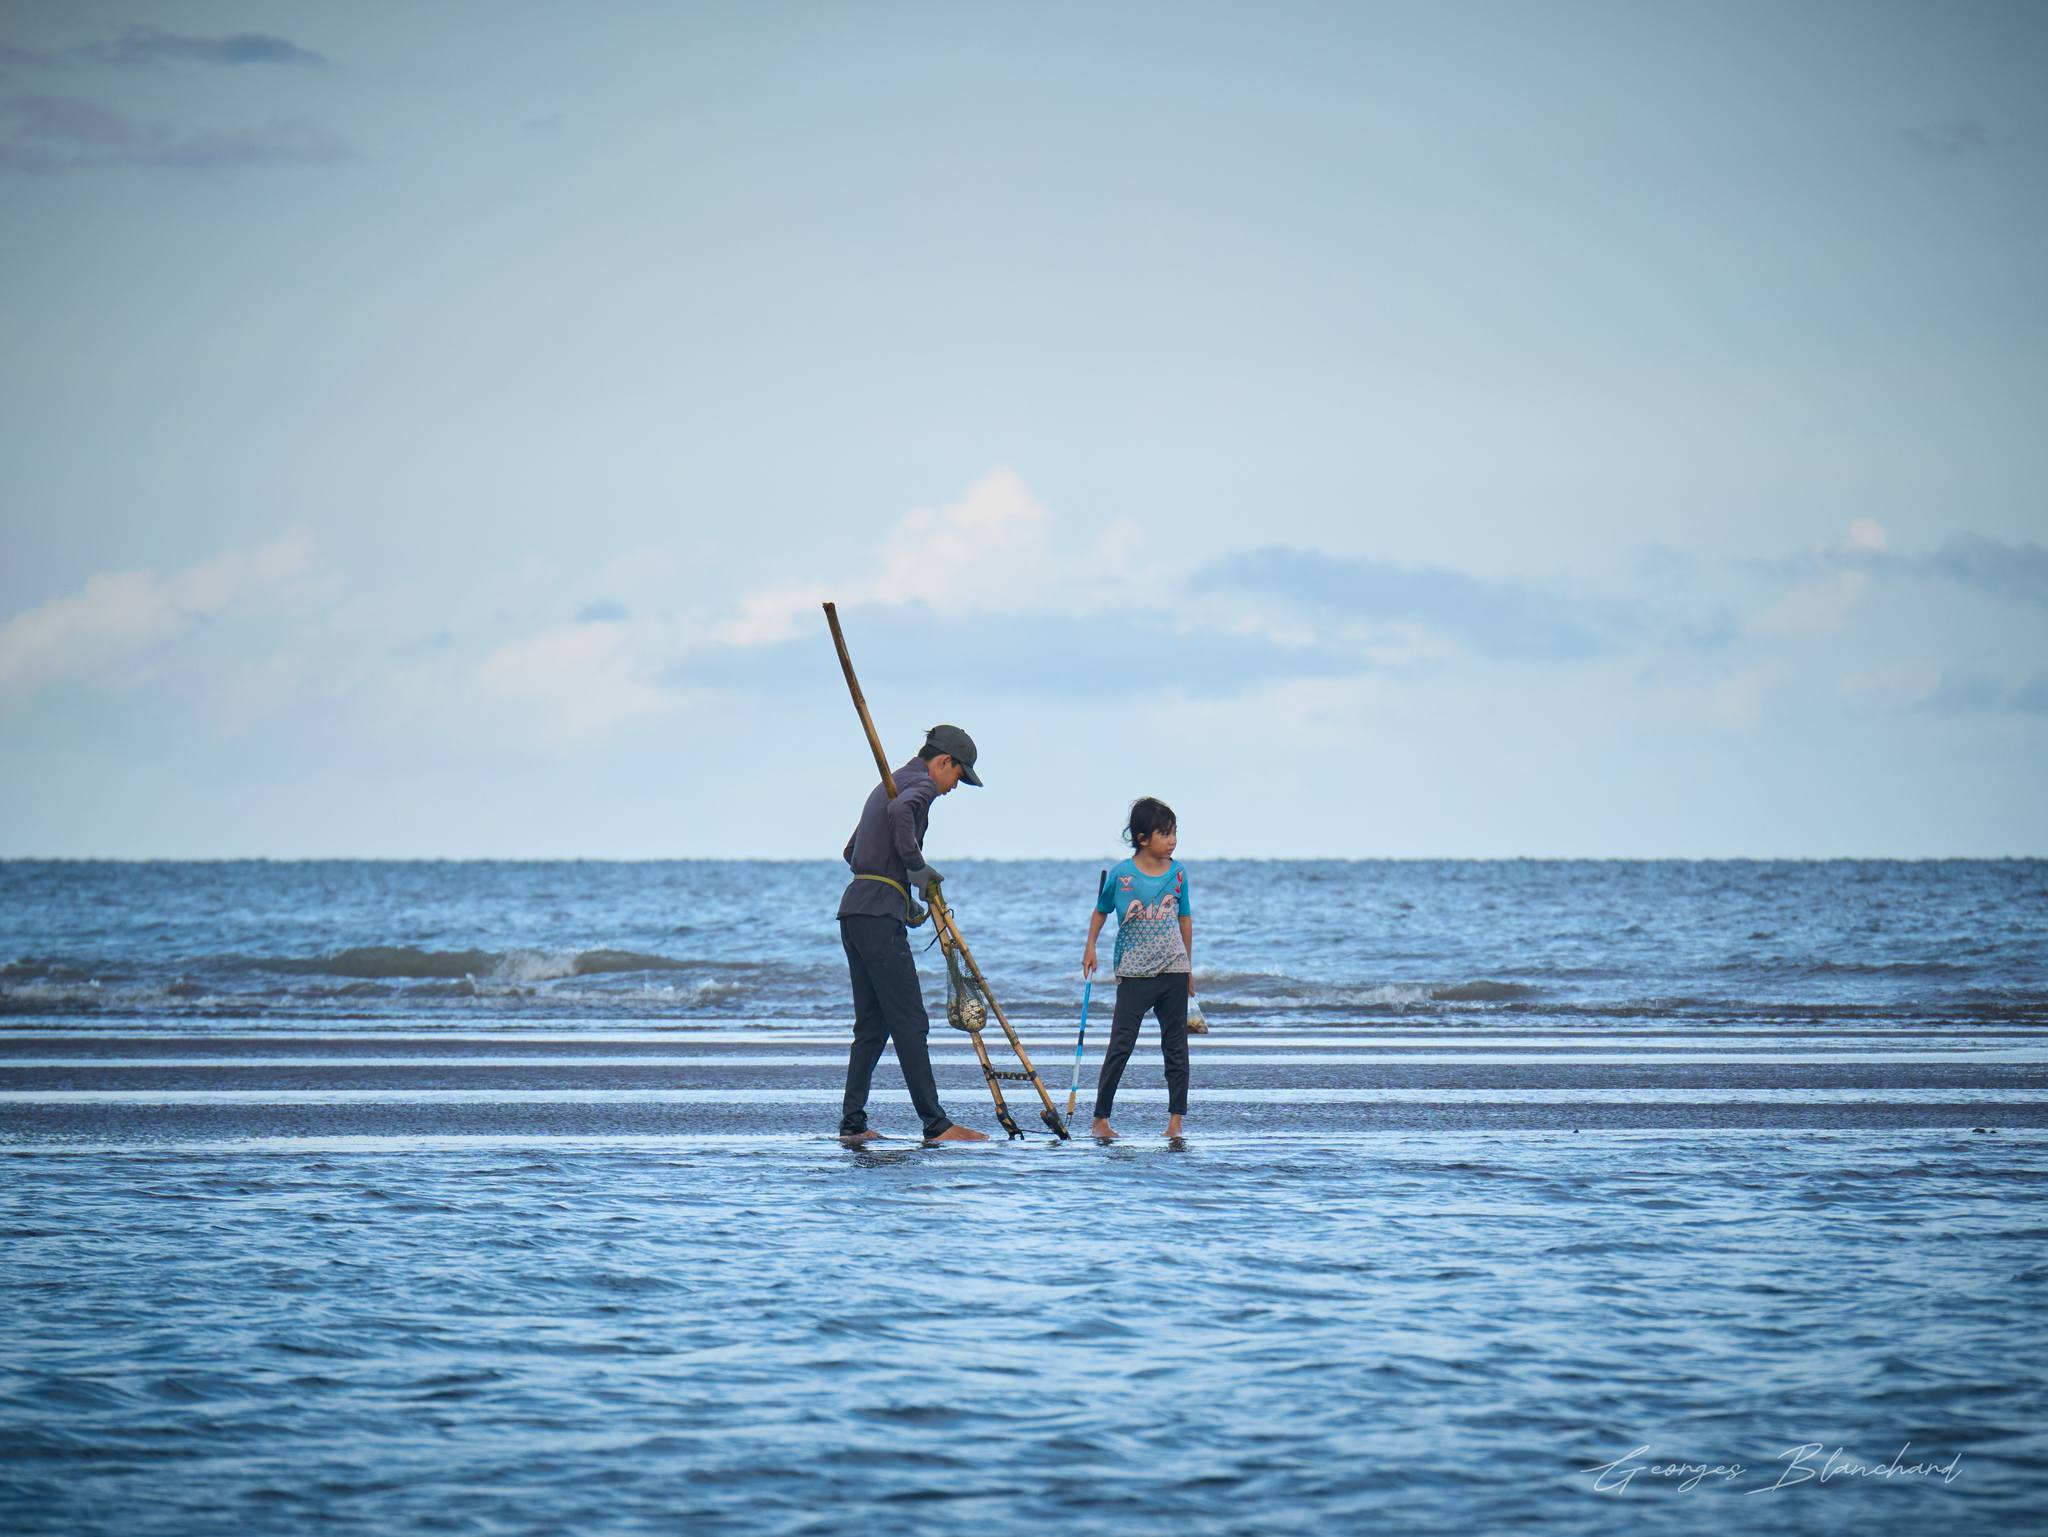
[(909, 906)]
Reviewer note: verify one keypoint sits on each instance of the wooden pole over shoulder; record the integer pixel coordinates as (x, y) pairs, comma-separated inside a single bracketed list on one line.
[(860, 702)]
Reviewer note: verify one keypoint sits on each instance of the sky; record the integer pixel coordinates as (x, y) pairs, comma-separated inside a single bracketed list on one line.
[(1380, 430)]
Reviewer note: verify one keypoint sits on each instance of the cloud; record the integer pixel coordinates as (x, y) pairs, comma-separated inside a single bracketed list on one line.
[(120, 616), (1738, 697), (994, 550), (2016, 571), (1977, 693), (24, 58), (1834, 582), (614, 662), (913, 645), (288, 142), (584, 679), (1494, 619), (1814, 608), (50, 134), (426, 645), (1950, 138), (148, 47), (65, 120), (1994, 566), (1964, 693), (1892, 683), (980, 594)]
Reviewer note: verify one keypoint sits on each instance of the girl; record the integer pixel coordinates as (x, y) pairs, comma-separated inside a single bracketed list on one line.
[(1155, 942)]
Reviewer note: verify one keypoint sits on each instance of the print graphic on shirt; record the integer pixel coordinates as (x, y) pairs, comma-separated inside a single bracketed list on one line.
[(1148, 939)]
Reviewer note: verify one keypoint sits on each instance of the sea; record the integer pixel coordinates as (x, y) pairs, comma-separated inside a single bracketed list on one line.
[(502, 1197)]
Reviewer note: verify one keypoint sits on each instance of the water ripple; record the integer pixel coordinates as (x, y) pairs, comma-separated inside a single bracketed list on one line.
[(748, 1341)]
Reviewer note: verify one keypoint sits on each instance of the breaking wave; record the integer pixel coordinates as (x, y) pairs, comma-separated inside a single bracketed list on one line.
[(368, 979), (1297, 945), (1484, 992), (379, 962), (1246, 991)]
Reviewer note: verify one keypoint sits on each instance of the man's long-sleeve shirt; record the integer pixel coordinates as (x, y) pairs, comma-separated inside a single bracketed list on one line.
[(889, 841)]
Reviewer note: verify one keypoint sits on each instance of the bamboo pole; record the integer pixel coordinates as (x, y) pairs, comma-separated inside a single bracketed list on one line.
[(860, 702)]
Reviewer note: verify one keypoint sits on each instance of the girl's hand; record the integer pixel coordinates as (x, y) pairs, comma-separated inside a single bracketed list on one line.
[(1088, 959), (1191, 984)]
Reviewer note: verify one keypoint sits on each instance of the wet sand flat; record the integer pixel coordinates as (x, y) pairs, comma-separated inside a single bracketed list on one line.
[(69, 1086)]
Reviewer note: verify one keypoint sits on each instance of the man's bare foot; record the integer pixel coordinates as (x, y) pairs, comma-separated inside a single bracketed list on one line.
[(1104, 1132), (959, 1134), (856, 1138), (1173, 1126)]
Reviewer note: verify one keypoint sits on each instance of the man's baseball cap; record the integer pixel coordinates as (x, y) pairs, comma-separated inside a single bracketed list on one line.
[(958, 746)]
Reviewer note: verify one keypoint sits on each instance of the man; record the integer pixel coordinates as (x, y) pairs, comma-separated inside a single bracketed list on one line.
[(886, 855)]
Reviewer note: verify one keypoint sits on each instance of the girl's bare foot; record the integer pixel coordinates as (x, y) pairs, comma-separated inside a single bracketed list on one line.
[(1173, 1126), (1104, 1132), (959, 1134), (856, 1138)]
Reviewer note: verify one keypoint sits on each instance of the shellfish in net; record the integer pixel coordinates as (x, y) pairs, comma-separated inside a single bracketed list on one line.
[(965, 1009)]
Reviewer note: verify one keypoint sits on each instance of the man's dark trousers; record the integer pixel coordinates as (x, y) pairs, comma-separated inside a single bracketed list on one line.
[(887, 1004), (1166, 995)]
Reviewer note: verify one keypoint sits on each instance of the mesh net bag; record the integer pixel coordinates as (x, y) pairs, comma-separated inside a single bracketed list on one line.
[(966, 1009)]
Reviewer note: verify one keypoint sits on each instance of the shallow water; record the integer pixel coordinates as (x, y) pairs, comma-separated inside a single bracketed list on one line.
[(1439, 1332), (447, 1198)]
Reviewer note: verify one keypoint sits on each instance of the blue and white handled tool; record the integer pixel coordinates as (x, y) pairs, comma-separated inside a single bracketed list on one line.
[(1087, 988)]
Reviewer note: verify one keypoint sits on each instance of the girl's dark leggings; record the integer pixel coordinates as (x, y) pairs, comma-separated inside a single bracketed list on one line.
[(1167, 996)]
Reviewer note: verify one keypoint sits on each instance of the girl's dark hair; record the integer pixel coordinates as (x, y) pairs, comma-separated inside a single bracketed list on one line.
[(1148, 816)]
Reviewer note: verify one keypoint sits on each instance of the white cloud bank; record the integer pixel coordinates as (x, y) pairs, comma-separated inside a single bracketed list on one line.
[(1823, 606), (994, 550), (586, 678), (121, 616)]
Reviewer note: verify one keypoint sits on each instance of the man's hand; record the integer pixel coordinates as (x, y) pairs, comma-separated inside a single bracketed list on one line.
[(923, 878), (1088, 959)]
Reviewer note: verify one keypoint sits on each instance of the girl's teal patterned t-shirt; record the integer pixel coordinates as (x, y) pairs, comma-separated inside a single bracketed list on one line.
[(1148, 911)]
